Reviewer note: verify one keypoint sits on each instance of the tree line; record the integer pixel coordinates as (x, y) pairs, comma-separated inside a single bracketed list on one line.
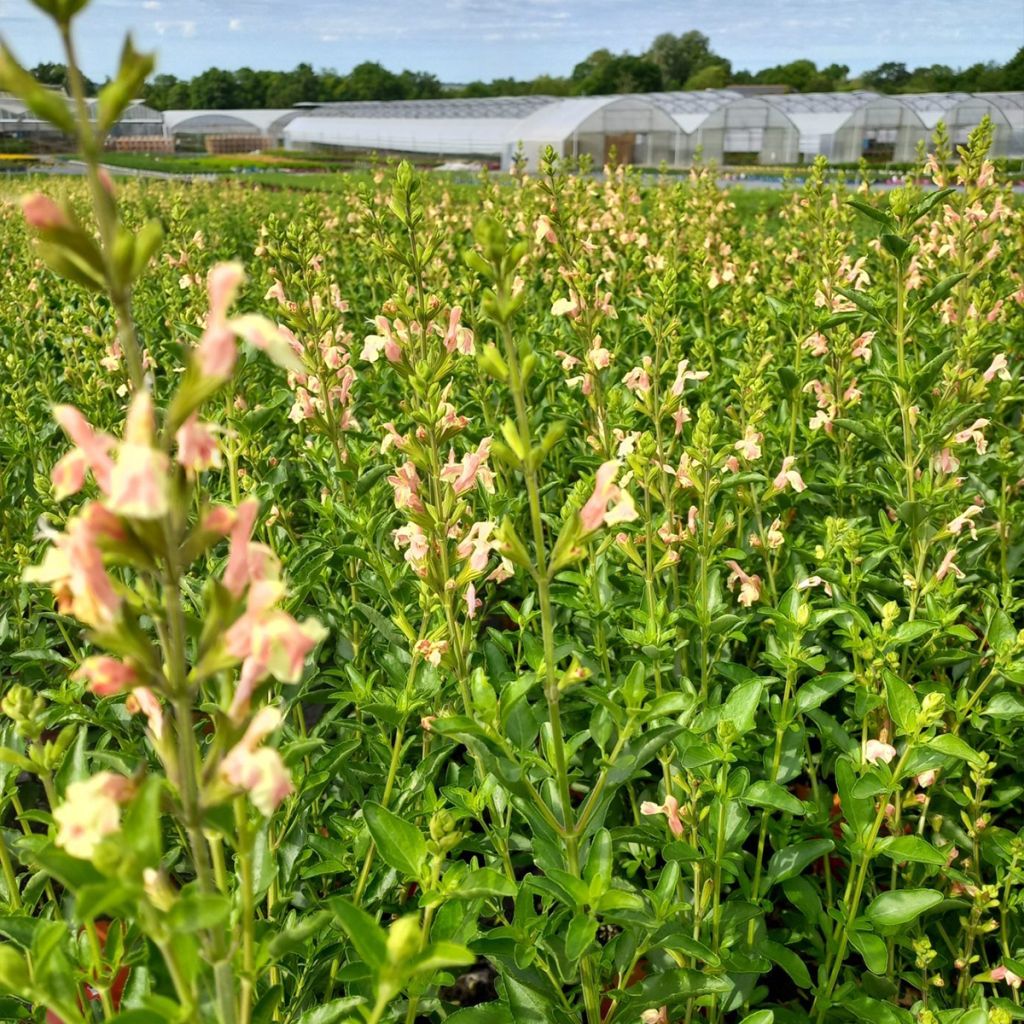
[(671, 62)]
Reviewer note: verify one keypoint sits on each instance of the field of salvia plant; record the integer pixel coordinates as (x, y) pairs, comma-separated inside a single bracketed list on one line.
[(557, 599)]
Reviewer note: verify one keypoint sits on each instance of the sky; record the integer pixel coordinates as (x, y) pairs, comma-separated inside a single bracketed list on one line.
[(462, 40)]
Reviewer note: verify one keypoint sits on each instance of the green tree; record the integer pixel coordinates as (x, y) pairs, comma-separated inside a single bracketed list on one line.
[(714, 76)]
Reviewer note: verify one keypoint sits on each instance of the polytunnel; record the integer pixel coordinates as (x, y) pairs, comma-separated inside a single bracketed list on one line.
[(264, 123), (455, 127), (750, 130), (638, 130), (1011, 106), (689, 110), (845, 126)]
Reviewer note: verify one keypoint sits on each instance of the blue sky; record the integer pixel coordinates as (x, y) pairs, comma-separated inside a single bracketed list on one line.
[(460, 40)]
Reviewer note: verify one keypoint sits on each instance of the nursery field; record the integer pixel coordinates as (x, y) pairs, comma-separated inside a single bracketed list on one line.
[(542, 601)]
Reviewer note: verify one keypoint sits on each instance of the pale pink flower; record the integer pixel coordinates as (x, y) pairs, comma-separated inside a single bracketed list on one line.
[(670, 808), (91, 451), (946, 461), (862, 346), (564, 307), (385, 342), (948, 566), (750, 444), (596, 510), (997, 368), (138, 481), (432, 651), (472, 604), (750, 586), (568, 361), (683, 374), (143, 699), (477, 545), (974, 433), (472, 470), (106, 676), (217, 351), (543, 231), (73, 568), (237, 572), (817, 344), (1002, 973), (821, 418), (42, 213), (414, 540), (599, 357), (504, 570), (406, 483), (691, 520), (258, 770), (789, 476), (877, 750), (269, 642), (814, 581), (655, 1016), (197, 447), (637, 380), (731, 465), (926, 779), (774, 536), (679, 417), (966, 518), (90, 812), (458, 338)]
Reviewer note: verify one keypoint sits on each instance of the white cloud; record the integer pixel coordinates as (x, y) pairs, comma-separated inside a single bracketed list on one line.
[(152, 5), (184, 29), (235, 25)]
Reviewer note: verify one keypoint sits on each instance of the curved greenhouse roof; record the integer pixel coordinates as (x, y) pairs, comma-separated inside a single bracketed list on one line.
[(211, 122), (690, 109), (517, 107)]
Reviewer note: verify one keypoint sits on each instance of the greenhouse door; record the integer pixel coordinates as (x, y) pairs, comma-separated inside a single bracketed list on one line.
[(623, 144)]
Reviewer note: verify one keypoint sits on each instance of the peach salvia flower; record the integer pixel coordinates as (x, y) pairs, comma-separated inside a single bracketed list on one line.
[(406, 484), (655, 1016), (248, 562), (750, 586), (217, 351), (815, 581), (948, 566), (477, 545), (73, 568), (197, 447), (432, 650), (946, 462), (91, 811), (564, 307), (1002, 973), (862, 346), (683, 374), (143, 699), (670, 808), (638, 380), (817, 344), (750, 444), (458, 338), (877, 750), (965, 519), (258, 770), (998, 368), (138, 481), (414, 540), (974, 433), (91, 451), (106, 676), (472, 470), (925, 779), (596, 510), (42, 213), (789, 476)]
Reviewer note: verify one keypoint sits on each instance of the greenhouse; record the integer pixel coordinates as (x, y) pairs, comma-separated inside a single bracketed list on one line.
[(961, 113), (198, 125), (690, 111), (751, 130), (137, 120), (457, 127)]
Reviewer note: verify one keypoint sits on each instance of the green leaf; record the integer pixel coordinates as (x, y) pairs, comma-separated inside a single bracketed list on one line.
[(788, 960), (790, 861), (760, 1017), (197, 911), (367, 936), (483, 882), (891, 909), (871, 948), (333, 1012), (771, 794), (399, 842), (815, 692), (580, 934), (906, 632), (740, 707), (911, 848), (955, 747), (879, 216), (902, 703), (485, 1013), (939, 293)]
